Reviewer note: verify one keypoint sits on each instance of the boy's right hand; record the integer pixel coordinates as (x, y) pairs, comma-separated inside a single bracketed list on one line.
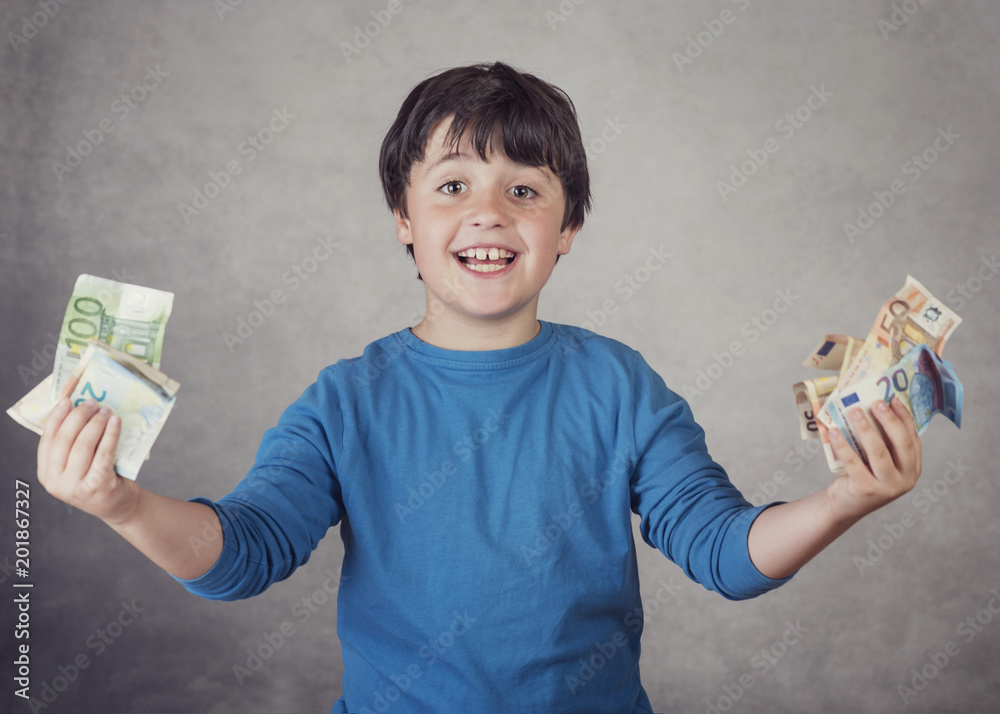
[(76, 461)]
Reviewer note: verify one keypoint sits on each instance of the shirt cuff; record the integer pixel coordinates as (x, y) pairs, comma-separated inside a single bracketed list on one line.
[(211, 585), (746, 581)]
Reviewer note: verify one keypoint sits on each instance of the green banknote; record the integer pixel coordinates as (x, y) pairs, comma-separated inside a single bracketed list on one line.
[(130, 318)]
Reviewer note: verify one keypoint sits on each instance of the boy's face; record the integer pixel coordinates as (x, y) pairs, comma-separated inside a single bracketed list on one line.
[(485, 234)]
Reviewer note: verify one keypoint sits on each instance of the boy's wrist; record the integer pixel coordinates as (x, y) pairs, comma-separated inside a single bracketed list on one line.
[(129, 514), (839, 513)]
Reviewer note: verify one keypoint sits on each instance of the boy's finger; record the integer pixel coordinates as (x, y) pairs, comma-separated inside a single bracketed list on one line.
[(897, 435), (843, 452), (65, 436), (102, 471), (81, 456), (52, 424), (880, 460), (911, 425), (901, 434), (67, 389)]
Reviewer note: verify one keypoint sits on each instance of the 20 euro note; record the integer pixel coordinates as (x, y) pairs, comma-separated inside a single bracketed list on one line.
[(141, 395), (922, 381), (130, 318)]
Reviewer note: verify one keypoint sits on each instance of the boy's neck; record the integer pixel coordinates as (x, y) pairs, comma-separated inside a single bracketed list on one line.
[(455, 333)]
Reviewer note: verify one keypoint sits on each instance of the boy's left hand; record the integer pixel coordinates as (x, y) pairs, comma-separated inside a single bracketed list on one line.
[(893, 467)]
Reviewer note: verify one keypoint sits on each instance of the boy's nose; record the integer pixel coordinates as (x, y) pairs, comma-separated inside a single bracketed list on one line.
[(488, 211)]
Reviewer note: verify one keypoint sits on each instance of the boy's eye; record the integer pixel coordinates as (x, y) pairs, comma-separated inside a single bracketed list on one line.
[(523, 192), (452, 188)]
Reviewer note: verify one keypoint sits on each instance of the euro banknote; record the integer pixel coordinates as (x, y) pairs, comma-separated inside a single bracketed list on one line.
[(912, 318), (924, 383), (130, 318), (834, 352), (140, 394)]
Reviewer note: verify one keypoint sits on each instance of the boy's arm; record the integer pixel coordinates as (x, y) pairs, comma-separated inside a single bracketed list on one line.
[(785, 537), (76, 456)]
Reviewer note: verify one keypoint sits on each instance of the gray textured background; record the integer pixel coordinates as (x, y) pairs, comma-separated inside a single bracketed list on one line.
[(678, 133)]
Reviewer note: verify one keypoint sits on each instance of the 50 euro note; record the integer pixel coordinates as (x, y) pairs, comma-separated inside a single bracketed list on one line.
[(138, 393), (924, 383), (912, 317), (130, 318)]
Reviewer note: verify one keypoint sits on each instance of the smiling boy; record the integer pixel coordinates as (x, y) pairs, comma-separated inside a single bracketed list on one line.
[(485, 235), (483, 465)]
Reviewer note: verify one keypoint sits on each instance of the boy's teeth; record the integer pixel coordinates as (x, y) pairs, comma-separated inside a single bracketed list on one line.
[(493, 253), (486, 267)]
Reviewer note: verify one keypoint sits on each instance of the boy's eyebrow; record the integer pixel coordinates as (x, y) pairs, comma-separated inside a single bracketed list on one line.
[(463, 156), (446, 158)]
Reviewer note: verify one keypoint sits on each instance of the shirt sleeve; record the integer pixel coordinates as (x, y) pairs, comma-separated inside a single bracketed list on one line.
[(688, 507), (276, 516)]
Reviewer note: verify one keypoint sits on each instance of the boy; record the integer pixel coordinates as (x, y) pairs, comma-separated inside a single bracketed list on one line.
[(483, 464)]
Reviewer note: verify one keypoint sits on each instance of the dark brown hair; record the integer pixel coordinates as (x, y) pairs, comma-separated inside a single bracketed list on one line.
[(535, 122)]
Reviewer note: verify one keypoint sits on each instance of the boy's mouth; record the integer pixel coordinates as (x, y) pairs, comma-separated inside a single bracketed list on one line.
[(486, 259)]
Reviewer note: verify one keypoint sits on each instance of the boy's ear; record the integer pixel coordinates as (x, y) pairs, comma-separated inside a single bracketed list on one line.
[(566, 238), (403, 233)]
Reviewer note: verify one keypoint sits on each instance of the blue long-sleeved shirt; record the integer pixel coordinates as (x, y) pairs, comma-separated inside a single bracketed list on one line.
[(484, 501)]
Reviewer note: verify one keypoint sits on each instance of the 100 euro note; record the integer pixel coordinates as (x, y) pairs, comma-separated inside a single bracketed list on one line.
[(130, 318), (924, 383), (141, 395)]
